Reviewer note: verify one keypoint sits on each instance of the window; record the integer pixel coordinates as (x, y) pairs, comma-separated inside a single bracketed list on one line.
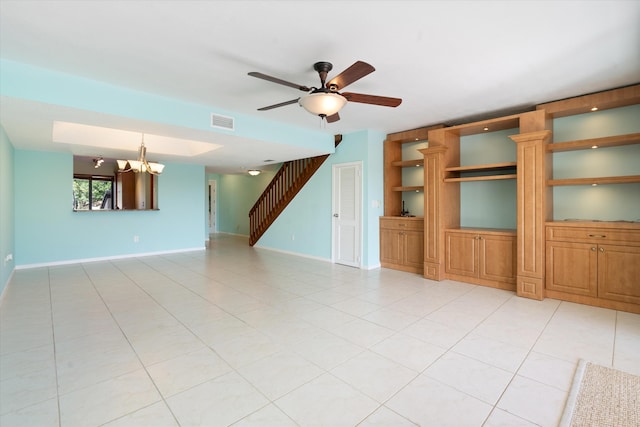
[(92, 192)]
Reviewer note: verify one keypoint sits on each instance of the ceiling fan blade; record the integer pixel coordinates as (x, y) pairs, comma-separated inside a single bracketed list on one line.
[(333, 118), (355, 72), (279, 81), (282, 104), (372, 99)]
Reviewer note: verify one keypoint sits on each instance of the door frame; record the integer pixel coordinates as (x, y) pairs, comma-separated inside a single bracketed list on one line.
[(359, 210), (212, 183)]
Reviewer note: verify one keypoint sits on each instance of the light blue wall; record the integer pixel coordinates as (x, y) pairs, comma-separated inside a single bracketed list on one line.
[(373, 203), (605, 202), (236, 196), (48, 231), (7, 233), (309, 217)]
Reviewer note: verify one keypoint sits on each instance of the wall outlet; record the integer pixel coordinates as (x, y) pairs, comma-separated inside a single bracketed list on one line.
[(136, 239), (293, 237)]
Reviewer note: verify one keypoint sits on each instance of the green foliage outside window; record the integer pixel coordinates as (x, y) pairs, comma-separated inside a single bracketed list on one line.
[(92, 193)]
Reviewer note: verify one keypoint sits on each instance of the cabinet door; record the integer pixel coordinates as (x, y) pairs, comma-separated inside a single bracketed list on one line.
[(414, 248), (126, 183), (572, 267), (461, 254), (619, 273), (497, 258), (390, 246)]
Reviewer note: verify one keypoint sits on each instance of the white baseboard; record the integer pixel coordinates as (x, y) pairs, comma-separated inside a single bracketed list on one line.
[(293, 253), (107, 258), (372, 267), (6, 284), (233, 234)]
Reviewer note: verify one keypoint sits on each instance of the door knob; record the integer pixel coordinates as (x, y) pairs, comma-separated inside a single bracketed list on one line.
[(335, 215)]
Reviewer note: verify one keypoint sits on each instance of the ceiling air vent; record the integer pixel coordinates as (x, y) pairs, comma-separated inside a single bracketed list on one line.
[(221, 122)]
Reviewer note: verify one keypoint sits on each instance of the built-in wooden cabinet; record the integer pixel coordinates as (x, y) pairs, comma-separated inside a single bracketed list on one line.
[(593, 249), (526, 249), (485, 257), (401, 243), (593, 263)]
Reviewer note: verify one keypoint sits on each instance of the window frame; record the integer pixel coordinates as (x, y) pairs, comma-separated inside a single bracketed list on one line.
[(91, 178)]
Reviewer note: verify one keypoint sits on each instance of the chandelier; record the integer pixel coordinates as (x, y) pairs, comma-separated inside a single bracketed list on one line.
[(142, 164)]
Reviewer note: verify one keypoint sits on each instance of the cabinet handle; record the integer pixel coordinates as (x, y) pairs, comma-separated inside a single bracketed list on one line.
[(402, 225), (601, 249), (593, 248), (599, 236)]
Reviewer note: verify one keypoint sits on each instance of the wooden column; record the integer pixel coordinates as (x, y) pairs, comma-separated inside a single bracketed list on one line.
[(434, 205), (534, 207)]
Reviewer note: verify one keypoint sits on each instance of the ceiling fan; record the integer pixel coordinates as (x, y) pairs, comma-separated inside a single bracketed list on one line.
[(326, 100)]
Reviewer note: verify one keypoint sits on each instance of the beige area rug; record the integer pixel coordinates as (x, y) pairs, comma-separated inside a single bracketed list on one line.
[(602, 397)]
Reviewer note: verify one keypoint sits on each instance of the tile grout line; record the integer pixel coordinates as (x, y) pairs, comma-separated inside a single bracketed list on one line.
[(134, 352), (233, 368), (449, 349), (615, 336), (53, 338), (515, 374)]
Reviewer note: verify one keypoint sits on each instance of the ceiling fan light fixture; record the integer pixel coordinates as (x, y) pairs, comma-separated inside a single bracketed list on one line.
[(323, 103)]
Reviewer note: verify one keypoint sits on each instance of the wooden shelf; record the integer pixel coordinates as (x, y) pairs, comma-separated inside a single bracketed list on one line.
[(458, 172), (408, 163), (587, 144), (482, 168), (410, 188), (599, 180), (481, 178)]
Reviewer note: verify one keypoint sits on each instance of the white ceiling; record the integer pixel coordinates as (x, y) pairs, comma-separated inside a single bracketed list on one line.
[(450, 61)]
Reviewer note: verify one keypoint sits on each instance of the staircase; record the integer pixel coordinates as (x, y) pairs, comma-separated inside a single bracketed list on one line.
[(284, 186)]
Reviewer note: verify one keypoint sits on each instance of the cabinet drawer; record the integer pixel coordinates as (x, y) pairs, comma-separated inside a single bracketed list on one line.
[(593, 235), (402, 223)]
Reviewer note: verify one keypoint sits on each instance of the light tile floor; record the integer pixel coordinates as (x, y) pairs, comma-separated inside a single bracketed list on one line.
[(249, 337)]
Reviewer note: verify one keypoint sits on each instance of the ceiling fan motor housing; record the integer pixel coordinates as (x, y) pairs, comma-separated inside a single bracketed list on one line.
[(323, 69), (323, 66)]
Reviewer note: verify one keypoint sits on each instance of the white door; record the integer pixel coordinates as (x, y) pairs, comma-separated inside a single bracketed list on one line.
[(212, 207), (347, 214)]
